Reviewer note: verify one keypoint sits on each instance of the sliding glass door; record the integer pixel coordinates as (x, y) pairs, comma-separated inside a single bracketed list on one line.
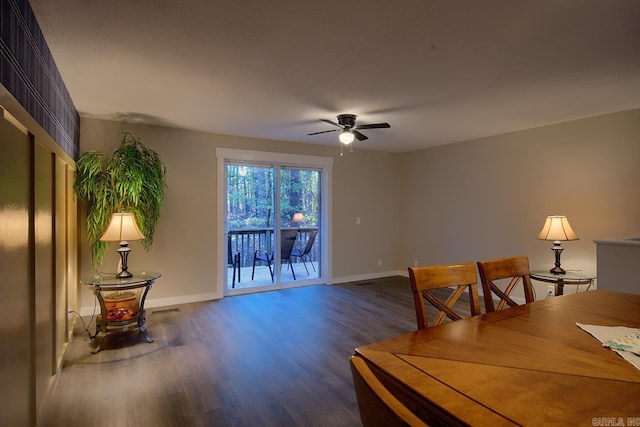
[(299, 198), (272, 226)]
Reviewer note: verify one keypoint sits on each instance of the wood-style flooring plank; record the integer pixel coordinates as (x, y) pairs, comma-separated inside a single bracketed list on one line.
[(276, 358)]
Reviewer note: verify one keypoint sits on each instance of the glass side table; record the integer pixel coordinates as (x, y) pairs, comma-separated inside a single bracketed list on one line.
[(571, 277), (121, 302)]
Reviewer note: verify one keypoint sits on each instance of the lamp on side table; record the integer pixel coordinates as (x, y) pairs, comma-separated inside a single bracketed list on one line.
[(122, 228), (557, 229)]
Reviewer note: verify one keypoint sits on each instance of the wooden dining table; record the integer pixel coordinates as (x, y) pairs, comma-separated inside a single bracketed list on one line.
[(527, 365)]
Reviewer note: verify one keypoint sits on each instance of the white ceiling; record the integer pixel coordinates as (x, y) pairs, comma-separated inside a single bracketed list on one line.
[(437, 71)]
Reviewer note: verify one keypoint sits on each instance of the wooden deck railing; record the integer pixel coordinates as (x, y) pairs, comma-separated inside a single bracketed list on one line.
[(247, 241)]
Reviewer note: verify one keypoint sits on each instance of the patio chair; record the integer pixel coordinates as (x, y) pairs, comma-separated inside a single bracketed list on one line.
[(287, 241), (302, 253)]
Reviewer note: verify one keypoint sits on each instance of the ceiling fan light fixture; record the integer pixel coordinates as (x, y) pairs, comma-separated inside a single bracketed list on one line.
[(346, 136), (349, 130)]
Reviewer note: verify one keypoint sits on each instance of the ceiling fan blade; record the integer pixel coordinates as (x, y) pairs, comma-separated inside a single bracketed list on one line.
[(324, 131), (374, 126), (358, 135), (331, 123)]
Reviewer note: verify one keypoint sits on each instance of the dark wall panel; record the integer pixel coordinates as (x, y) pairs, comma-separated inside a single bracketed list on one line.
[(29, 73)]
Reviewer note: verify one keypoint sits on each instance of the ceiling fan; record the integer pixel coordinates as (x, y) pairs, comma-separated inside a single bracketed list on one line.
[(349, 128)]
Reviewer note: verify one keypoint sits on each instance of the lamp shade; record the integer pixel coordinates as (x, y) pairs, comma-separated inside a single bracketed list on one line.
[(122, 227), (298, 217), (557, 228), (346, 137)]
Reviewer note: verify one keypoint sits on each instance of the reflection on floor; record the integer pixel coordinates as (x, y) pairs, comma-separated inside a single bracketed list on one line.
[(263, 278)]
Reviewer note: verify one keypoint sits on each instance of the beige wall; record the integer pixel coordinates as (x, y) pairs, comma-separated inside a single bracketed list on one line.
[(488, 198), (462, 202), (365, 184)]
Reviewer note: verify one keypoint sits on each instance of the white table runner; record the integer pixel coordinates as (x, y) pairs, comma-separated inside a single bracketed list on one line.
[(613, 336)]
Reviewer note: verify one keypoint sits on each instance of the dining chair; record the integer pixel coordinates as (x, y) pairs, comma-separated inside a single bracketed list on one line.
[(460, 277), (287, 241), (378, 406), (303, 253), (515, 270)]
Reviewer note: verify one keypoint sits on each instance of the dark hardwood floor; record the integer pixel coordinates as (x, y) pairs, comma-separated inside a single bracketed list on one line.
[(275, 358)]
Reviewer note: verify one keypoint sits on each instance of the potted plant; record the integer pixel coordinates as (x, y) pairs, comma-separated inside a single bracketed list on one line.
[(132, 180)]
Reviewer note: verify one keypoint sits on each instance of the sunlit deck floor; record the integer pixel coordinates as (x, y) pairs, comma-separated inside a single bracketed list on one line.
[(263, 278)]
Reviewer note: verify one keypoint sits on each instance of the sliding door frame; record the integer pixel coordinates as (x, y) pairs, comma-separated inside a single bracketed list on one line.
[(324, 164)]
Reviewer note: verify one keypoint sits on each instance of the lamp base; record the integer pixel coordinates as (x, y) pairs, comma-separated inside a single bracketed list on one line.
[(557, 251), (124, 274), (124, 250)]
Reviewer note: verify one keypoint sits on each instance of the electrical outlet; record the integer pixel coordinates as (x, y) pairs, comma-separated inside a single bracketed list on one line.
[(551, 289), (415, 263), (379, 262), (358, 220)]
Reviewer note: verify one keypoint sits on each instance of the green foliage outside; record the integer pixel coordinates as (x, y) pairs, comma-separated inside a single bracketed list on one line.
[(250, 197)]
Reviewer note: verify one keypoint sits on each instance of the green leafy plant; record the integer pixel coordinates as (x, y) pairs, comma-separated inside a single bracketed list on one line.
[(132, 180)]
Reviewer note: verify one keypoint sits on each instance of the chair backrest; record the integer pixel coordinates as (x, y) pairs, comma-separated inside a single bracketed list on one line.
[(287, 241), (378, 406), (461, 277), (310, 241), (515, 269)]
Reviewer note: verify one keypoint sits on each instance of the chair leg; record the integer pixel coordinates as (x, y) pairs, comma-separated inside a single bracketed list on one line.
[(270, 270), (292, 272), (305, 265), (269, 261), (233, 282), (253, 270), (238, 255), (236, 267)]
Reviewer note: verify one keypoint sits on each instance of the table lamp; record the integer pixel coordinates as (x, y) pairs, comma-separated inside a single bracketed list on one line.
[(122, 228), (557, 229), (298, 218)]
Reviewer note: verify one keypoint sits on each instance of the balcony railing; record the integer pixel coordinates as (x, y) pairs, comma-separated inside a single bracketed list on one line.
[(246, 241)]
